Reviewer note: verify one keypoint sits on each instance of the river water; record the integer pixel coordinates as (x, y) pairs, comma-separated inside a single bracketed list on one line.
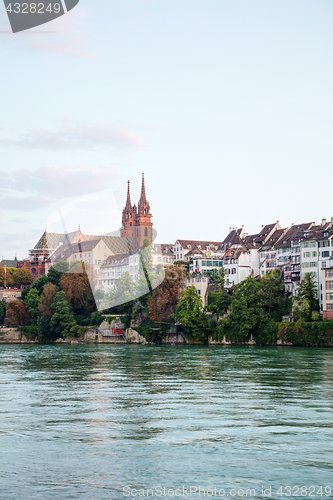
[(110, 422)]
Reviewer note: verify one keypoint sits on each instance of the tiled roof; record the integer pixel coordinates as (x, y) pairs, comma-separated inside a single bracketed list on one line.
[(294, 232), (65, 251), (317, 232), (116, 244), (10, 263), (260, 238), (249, 241), (233, 253), (274, 238), (116, 260), (51, 241), (194, 251), (233, 238), (194, 244)]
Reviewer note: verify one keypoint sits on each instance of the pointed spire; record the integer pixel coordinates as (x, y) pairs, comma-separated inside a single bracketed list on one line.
[(143, 199), (128, 200)]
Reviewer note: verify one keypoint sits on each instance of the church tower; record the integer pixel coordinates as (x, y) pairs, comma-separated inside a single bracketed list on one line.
[(143, 225), (129, 216), (136, 221)]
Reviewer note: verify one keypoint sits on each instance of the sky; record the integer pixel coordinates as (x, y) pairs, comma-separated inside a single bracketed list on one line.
[(226, 105)]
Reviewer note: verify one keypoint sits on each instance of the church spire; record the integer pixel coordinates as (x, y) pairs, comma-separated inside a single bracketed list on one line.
[(128, 201), (143, 199)]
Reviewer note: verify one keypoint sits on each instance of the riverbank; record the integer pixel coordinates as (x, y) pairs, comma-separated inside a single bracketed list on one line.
[(90, 336), (131, 336)]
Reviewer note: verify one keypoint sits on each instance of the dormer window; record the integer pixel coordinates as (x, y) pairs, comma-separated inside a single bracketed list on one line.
[(325, 234)]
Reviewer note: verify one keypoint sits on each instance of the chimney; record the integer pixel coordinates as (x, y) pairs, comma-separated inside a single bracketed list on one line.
[(292, 223), (323, 222), (262, 226), (230, 228)]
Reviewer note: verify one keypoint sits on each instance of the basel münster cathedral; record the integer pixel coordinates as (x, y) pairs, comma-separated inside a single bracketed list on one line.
[(136, 227), (136, 220)]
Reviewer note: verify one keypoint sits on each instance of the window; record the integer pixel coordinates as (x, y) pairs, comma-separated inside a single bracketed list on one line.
[(233, 270), (329, 307), (165, 259), (324, 264), (227, 271), (329, 296), (203, 263), (306, 254), (199, 292), (220, 263), (146, 230), (159, 259), (314, 254), (325, 254), (329, 273)]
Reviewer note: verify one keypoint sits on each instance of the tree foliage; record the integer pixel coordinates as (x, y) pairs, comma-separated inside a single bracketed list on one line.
[(32, 301), (306, 300), (62, 321), (164, 299), (17, 314), (2, 311), (46, 301), (78, 292)]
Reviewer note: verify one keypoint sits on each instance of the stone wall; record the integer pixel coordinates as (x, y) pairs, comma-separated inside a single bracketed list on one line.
[(14, 336)]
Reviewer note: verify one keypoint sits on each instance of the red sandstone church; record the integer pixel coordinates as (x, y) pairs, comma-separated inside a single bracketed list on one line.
[(136, 227)]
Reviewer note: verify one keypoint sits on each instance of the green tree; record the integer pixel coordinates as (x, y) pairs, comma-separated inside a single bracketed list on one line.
[(22, 277), (54, 276), (189, 306), (189, 312), (272, 297), (221, 298), (245, 310), (306, 300), (2, 311), (62, 266), (62, 321), (39, 283), (32, 302)]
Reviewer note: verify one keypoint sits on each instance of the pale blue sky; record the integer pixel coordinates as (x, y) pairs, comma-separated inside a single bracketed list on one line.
[(226, 105)]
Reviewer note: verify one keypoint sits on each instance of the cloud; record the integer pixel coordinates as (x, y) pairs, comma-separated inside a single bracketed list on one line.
[(67, 35), (18, 243), (89, 136), (26, 190)]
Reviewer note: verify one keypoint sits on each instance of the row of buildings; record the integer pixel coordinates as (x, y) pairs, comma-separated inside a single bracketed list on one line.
[(294, 251)]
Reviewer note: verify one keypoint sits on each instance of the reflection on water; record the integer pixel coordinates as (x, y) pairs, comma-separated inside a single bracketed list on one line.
[(85, 421)]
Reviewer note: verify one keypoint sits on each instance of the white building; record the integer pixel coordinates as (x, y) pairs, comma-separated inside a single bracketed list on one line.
[(92, 252), (183, 247), (201, 284)]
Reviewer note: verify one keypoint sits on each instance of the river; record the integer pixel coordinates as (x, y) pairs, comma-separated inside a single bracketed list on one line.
[(97, 422)]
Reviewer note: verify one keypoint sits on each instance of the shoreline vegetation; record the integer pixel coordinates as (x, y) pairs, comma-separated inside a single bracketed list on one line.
[(60, 308)]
